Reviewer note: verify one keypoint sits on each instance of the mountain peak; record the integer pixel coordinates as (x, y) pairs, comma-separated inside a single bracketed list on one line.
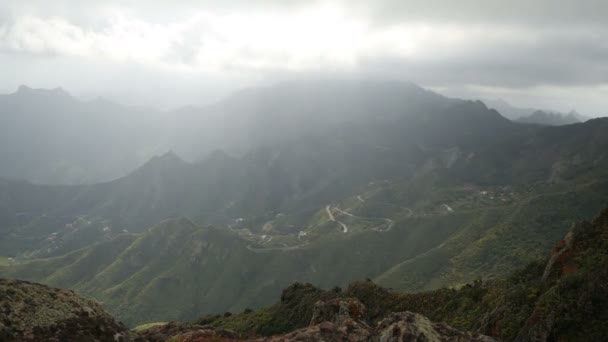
[(25, 90), (549, 118), (163, 163), (167, 158)]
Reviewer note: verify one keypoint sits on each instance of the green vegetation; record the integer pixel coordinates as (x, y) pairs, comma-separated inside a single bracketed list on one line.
[(292, 312), (179, 270), (556, 298), (431, 199)]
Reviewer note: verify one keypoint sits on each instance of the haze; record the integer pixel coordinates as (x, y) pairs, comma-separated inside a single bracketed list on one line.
[(159, 53)]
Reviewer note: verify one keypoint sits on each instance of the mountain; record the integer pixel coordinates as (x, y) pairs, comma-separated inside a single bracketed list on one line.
[(415, 202), (259, 117), (535, 116), (507, 110), (550, 118), (48, 136), (297, 176)]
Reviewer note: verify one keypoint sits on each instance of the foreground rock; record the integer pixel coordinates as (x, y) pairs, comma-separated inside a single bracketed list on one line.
[(409, 326), (340, 320), (35, 312)]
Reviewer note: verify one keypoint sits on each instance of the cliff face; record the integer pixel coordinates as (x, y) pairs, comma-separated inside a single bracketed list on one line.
[(575, 284)]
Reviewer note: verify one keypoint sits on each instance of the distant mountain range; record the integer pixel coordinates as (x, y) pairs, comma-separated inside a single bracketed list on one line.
[(552, 119), (411, 189), (49, 137), (535, 116)]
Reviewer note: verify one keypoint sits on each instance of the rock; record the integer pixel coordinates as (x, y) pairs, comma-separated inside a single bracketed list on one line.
[(341, 320), (326, 331), (337, 311), (409, 326)]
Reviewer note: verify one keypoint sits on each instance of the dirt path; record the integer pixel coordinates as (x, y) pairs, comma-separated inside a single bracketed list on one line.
[(385, 227), (332, 218)]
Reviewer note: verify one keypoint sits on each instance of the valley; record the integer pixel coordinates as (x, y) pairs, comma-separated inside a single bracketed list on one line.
[(455, 193)]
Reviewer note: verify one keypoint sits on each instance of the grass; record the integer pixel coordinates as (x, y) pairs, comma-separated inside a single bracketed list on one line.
[(148, 326)]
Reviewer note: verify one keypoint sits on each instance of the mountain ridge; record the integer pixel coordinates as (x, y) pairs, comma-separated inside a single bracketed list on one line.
[(418, 202)]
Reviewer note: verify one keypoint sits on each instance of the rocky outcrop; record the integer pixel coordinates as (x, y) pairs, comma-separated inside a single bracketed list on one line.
[(341, 320), (35, 312), (409, 326), (325, 331), (337, 311)]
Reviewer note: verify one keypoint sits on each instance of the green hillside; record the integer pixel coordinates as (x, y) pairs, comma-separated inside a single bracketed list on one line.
[(439, 196), (179, 270), (553, 298)]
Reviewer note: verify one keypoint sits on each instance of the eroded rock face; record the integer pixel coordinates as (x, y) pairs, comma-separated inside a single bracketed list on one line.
[(35, 312)]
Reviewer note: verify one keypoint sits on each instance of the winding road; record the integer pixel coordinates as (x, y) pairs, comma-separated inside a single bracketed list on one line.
[(384, 227), (332, 218)]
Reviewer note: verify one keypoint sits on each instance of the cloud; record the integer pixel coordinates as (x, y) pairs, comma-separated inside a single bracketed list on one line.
[(520, 13), (204, 41), (464, 44)]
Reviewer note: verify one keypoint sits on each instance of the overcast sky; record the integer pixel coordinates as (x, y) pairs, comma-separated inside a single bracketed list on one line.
[(533, 53)]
